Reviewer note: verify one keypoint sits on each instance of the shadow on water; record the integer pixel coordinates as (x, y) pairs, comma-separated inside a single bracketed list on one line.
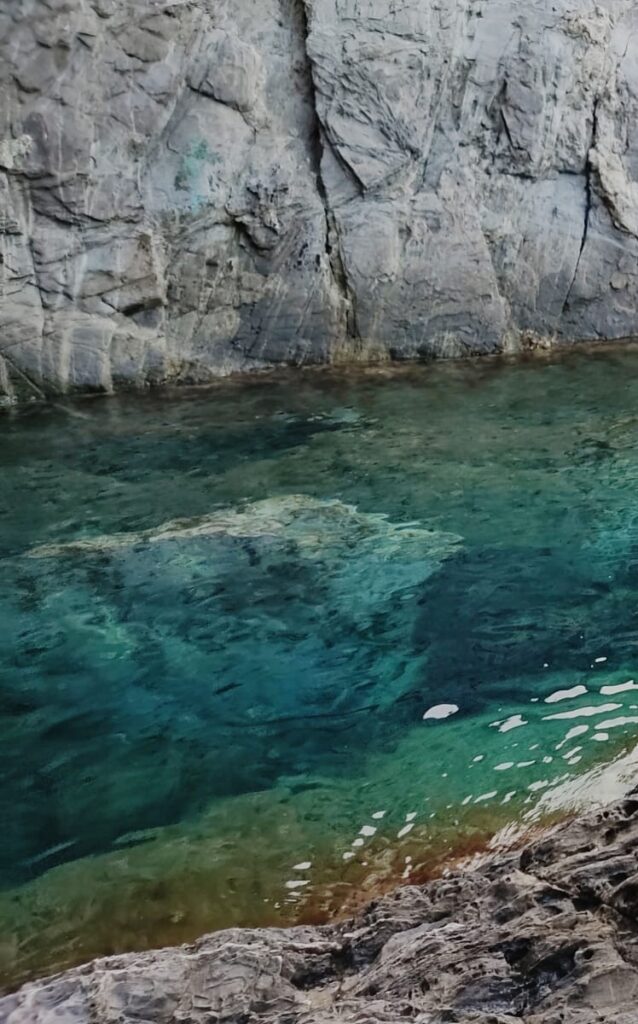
[(493, 615)]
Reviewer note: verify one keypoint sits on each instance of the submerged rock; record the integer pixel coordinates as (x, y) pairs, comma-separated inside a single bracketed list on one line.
[(317, 527), (193, 188), (543, 936)]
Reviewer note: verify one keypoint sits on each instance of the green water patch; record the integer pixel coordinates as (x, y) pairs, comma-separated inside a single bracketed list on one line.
[(268, 650)]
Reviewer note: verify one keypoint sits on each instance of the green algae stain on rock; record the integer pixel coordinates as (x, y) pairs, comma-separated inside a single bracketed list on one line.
[(194, 173)]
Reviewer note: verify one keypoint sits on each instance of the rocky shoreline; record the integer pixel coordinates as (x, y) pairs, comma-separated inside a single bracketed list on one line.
[(546, 935)]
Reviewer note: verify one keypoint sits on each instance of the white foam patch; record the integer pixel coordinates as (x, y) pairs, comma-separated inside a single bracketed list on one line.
[(572, 753), (367, 830), (504, 767), (571, 734), (486, 796), (297, 883), (305, 864), (440, 711), (378, 815), (609, 691), (558, 695), (411, 816), (615, 723), (587, 712), (348, 855), (600, 737), (513, 722), (404, 831)]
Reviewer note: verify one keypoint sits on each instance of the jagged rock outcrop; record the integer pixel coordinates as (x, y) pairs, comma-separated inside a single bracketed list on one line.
[(191, 187), (546, 936)]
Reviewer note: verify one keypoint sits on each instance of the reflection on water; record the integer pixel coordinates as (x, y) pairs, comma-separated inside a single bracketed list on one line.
[(269, 649)]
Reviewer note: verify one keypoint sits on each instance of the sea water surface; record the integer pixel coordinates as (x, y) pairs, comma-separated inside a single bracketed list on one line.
[(269, 648)]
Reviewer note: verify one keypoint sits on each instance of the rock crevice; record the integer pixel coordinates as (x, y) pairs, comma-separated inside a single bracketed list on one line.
[(589, 199), (318, 143)]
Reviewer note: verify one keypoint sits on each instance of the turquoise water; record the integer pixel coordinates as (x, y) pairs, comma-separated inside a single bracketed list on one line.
[(269, 647)]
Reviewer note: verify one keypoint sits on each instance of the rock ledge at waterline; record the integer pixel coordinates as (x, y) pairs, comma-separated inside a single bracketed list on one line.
[(194, 187), (546, 936)]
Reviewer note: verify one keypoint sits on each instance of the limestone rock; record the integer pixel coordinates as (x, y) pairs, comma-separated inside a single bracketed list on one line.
[(225, 185), (546, 936)]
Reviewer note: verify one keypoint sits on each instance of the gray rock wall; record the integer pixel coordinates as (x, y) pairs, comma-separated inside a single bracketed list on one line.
[(193, 187)]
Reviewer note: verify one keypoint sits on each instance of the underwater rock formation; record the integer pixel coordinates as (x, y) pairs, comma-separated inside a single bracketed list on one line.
[(541, 936), (194, 187)]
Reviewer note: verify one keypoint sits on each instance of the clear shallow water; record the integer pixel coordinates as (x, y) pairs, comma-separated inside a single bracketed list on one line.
[(224, 616)]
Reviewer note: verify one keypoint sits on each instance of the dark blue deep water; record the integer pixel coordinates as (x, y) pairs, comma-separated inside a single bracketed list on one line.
[(268, 647)]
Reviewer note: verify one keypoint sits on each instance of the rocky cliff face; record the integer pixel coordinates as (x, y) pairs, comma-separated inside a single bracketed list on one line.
[(549, 936), (190, 187)]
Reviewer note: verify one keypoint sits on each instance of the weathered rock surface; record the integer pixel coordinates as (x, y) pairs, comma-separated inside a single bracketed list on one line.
[(549, 936), (191, 187)]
